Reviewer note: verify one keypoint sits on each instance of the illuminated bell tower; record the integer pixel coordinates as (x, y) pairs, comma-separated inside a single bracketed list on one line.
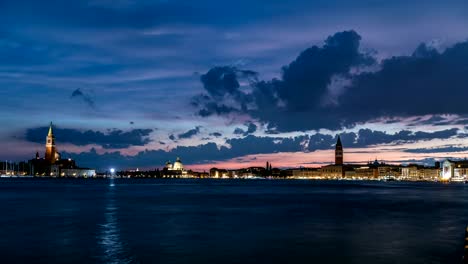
[(339, 152), (50, 146)]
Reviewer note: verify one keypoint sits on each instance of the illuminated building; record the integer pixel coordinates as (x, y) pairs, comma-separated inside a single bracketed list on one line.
[(307, 173), (361, 173), (178, 165), (175, 170), (51, 154), (454, 170), (53, 165), (219, 173), (336, 171)]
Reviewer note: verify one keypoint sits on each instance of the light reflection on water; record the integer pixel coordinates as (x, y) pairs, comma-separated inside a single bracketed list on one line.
[(109, 239)]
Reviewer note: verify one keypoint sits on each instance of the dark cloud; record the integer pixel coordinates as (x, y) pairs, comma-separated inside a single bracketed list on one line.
[(366, 137), (204, 153), (295, 102), (224, 93), (252, 145), (78, 93), (238, 131), (251, 128), (438, 150), (114, 138), (172, 137), (190, 133), (326, 87), (220, 81), (427, 82), (216, 134)]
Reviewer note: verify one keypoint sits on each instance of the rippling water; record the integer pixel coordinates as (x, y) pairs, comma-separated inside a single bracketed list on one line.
[(228, 221)]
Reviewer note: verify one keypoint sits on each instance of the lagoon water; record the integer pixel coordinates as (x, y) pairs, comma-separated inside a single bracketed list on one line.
[(230, 221)]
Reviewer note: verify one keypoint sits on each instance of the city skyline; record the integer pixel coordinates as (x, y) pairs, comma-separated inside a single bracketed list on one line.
[(234, 88)]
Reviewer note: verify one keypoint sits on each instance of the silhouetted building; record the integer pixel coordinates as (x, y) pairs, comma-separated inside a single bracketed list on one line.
[(338, 152)]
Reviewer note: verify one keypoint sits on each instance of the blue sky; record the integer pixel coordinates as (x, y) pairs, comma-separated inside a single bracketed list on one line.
[(135, 83)]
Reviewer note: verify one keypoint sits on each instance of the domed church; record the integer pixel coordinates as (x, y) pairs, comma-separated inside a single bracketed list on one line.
[(178, 165), (175, 169)]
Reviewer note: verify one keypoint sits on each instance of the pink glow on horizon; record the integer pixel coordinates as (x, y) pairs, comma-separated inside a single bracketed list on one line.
[(321, 158)]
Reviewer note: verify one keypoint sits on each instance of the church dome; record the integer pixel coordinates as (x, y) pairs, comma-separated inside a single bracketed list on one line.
[(178, 165), (57, 156)]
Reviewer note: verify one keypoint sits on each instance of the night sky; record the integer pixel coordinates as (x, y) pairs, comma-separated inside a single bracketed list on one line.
[(232, 84)]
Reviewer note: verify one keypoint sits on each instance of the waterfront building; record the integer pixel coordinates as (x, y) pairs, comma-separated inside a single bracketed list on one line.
[(414, 172), (429, 174), (53, 165), (410, 173), (175, 170), (251, 172), (454, 170), (360, 173), (77, 173), (219, 173), (337, 170), (307, 173), (332, 172)]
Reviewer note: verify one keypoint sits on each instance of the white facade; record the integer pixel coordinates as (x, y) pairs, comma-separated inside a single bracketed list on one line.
[(79, 173), (176, 166), (447, 170)]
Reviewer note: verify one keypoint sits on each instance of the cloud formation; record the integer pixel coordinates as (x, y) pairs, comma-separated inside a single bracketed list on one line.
[(78, 93), (251, 128), (190, 133), (332, 87), (254, 145), (113, 139)]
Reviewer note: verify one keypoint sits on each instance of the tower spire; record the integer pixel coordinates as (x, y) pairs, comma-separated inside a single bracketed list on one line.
[(51, 133), (51, 151), (338, 152)]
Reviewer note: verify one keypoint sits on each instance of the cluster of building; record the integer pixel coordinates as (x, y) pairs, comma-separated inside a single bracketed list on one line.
[(53, 165), (447, 171)]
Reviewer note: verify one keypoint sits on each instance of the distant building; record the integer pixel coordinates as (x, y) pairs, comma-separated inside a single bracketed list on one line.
[(360, 173), (51, 154), (338, 152), (307, 173), (337, 170), (414, 172), (175, 170), (220, 173), (454, 170), (53, 165)]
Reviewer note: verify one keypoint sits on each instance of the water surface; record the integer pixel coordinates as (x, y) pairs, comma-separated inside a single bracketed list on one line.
[(230, 221)]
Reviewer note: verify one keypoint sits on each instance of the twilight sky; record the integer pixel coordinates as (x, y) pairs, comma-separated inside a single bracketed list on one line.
[(132, 83)]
